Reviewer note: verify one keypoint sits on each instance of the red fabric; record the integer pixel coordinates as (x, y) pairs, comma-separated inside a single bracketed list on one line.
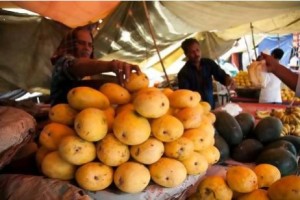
[(71, 13)]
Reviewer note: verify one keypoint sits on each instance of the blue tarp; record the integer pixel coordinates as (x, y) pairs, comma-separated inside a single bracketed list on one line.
[(284, 42)]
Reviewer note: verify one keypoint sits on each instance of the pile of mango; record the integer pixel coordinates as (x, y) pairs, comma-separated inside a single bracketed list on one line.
[(242, 80), (289, 95), (249, 183), (127, 136)]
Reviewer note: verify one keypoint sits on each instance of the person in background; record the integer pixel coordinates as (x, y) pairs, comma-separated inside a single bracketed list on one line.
[(271, 93), (288, 77), (197, 74), (74, 59)]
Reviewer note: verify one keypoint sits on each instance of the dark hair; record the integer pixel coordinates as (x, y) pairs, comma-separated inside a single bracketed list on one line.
[(67, 45), (277, 53), (187, 43)]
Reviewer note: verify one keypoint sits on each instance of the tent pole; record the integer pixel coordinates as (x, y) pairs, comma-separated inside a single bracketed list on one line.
[(252, 35), (154, 41), (247, 49)]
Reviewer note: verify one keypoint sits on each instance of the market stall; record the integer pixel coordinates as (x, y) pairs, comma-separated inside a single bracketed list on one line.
[(136, 141), (41, 181)]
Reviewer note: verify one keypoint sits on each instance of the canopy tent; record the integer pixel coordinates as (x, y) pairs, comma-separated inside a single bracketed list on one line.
[(284, 42), (230, 18), (27, 42)]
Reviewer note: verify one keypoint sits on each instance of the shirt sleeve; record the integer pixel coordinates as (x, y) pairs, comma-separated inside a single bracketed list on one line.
[(218, 73), (62, 67), (183, 82), (298, 86)]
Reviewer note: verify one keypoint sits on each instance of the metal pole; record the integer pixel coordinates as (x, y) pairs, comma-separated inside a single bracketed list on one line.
[(153, 37), (253, 42)]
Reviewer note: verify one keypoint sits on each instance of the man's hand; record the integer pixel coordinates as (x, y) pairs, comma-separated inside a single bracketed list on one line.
[(123, 70), (229, 83), (270, 61)]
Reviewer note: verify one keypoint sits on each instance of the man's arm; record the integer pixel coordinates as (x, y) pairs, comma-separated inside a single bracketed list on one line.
[(287, 76), (86, 67), (183, 82)]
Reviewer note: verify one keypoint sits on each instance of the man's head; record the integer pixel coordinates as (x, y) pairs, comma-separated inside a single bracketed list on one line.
[(191, 49), (277, 53), (77, 42), (83, 43)]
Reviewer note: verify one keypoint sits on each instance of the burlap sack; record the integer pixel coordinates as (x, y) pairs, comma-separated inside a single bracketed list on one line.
[(27, 187), (17, 128)]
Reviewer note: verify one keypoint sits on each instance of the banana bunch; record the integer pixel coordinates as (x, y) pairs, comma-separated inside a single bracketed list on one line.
[(291, 115), (290, 118), (290, 129), (260, 114)]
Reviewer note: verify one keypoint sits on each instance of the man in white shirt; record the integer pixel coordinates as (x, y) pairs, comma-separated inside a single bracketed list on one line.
[(290, 78), (271, 93)]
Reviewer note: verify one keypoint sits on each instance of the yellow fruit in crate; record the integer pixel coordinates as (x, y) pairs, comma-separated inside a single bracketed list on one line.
[(76, 150), (115, 93), (287, 188), (211, 153), (168, 172), (94, 176), (214, 188), (201, 138), (136, 82), (151, 104), (266, 174), (258, 194), (182, 98), (167, 128), (91, 124), (52, 134), (54, 166), (148, 152), (62, 113), (195, 163), (111, 151), (131, 177), (85, 97), (190, 117), (40, 155), (179, 149), (131, 128), (241, 179)]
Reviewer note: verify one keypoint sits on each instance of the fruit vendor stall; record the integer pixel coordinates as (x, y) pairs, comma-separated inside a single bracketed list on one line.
[(159, 144), (246, 91), (137, 141)]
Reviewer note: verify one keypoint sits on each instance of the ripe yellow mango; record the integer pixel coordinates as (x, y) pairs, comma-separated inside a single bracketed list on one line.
[(136, 82), (62, 113), (131, 128), (182, 98), (115, 93), (85, 97), (151, 104), (53, 133), (91, 124), (168, 172), (167, 128), (111, 151)]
